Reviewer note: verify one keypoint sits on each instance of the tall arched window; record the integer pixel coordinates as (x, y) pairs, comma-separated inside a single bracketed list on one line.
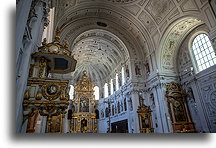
[(203, 52), (111, 86), (71, 92), (96, 92), (117, 82), (106, 90), (123, 76)]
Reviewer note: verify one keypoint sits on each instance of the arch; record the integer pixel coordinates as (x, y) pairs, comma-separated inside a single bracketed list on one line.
[(202, 52), (126, 27), (98, 52), (72, 29), (171, 41)]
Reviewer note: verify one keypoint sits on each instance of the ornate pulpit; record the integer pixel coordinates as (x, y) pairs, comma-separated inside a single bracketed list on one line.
[(84, 107), (178, 110), (46, 96)]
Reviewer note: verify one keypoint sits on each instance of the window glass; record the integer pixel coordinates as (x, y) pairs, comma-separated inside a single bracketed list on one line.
[(71, 92), (105, 90), (203, 52), (96, 92), (117, 82), (123, 76), (111, 86)]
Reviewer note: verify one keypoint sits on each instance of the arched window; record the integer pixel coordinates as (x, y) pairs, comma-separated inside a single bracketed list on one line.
[(117, 82), (106, 90), (123, 76), (111, 86), (203, 52), (96, 92), (71, 92)]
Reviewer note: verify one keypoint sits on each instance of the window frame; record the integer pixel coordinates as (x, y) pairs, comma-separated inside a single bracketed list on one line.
[(192, 54)]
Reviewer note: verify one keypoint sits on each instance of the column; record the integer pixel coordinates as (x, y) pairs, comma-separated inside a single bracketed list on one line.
[(30, 41), (22, 13), (130, 129), (158, 113), (132, 70), (200, 106), (163, 108), (135, 103)]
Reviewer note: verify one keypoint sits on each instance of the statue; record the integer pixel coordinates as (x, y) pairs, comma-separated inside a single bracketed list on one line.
[(83, 126), (137, 69), (127, 72), (147, 68)]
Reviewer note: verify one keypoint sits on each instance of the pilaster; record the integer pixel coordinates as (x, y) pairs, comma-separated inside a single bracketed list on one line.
[(159, 90), (29, 28), (135, 104), (200, 106)]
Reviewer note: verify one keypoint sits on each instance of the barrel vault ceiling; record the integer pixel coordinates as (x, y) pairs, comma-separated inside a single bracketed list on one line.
[(104, 34)]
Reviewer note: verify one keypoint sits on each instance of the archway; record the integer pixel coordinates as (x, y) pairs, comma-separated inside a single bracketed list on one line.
[(171, 41)]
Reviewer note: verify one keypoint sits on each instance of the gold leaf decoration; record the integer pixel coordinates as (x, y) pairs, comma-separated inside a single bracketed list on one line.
[(39, 94), (26, 94)]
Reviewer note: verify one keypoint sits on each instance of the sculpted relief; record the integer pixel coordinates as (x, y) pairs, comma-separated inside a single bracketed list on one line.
[(173, 40)]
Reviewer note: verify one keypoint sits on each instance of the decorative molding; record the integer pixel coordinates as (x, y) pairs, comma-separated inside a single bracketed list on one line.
[(159, 9)]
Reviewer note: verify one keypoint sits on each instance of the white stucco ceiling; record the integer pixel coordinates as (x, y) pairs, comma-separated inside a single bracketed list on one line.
[(98, 52), (133, 29)]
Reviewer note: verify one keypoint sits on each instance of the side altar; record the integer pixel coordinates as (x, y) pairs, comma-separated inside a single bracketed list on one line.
[(84, 107)]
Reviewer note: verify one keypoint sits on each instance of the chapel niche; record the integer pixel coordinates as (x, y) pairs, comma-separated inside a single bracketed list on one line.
[(144, 117), (178, 109)]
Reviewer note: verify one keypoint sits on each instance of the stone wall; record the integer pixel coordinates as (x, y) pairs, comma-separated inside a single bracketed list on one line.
[(200, 86)]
